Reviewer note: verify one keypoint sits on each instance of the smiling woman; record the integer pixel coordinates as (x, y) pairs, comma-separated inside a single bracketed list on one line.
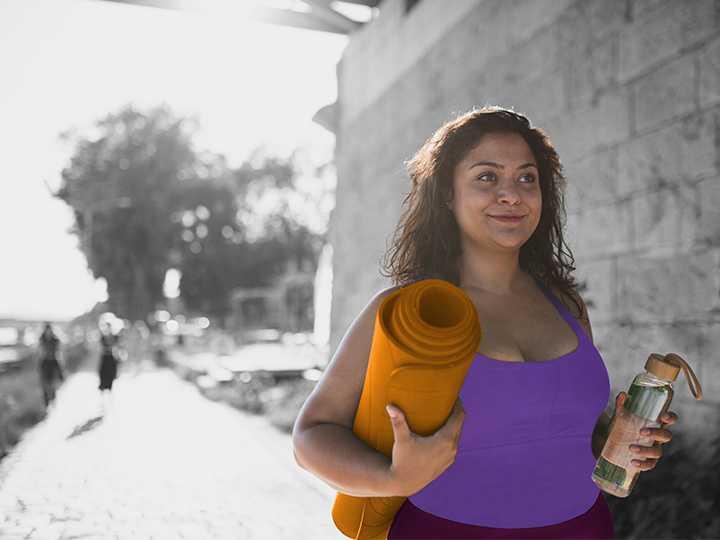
[(514, 458), (459, 156)]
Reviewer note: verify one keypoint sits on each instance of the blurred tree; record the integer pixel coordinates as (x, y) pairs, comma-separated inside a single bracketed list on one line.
[(145, 201), (244, 229), (123, 185)]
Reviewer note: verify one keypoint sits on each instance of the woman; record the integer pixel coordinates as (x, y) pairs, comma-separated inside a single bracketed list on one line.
[(514, 459), (51, 372), (108, 358)]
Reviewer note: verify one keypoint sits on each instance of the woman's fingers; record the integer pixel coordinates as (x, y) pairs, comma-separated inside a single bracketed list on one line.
[(619, 400), (417, 460), (648, 452), (651, 454), (648, 456), (455, 421), (399, 424), (644, 465), (668, 418), (660, 435), (453, 425)]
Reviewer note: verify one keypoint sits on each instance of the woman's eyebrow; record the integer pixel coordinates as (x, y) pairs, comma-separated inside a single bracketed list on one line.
[(501, 167)]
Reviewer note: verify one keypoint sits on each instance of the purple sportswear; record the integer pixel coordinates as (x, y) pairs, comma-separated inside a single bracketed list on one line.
[(524, 458)]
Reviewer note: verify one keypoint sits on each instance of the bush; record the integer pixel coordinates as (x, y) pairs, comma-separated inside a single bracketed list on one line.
[(249, 396), (680, 498), (280, 401), (21, 406), (283, 411)]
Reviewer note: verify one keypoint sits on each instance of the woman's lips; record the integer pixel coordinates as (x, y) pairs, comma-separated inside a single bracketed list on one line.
[(508, 218)]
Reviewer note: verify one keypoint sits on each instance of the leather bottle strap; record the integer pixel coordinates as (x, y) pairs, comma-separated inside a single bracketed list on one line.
[(692, 380)]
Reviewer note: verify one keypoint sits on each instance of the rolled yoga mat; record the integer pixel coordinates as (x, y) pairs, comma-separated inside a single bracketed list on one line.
[(426, 336)]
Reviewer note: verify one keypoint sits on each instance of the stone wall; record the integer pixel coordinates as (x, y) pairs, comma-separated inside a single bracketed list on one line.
[(628, 90)]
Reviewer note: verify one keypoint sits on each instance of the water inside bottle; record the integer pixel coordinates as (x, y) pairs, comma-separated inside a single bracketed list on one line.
[(647, 401), (614, 479)]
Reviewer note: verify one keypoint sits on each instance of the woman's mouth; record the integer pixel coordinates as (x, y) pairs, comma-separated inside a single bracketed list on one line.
[(507, 218)]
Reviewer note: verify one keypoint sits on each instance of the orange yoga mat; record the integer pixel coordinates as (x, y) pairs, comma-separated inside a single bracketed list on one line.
[(425, 338)]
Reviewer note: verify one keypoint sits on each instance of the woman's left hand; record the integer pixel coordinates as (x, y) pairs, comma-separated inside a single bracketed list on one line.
[(648, 455)]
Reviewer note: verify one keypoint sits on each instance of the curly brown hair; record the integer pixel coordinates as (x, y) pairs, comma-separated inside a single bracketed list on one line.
[(426, 243)]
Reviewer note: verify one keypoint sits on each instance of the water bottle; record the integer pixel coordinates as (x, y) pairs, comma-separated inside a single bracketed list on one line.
[(649, 396)]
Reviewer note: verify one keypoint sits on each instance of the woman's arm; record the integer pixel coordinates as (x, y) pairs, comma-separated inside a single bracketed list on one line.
[(325, 445)]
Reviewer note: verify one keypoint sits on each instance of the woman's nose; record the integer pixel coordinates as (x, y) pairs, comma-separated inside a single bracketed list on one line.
[(508, 192)]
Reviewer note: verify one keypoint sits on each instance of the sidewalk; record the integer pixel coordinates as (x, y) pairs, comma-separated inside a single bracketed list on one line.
[(162, 462)]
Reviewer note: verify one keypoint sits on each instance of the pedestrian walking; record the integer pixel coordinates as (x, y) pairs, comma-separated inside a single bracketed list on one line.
[(51, 371), (109, 344)]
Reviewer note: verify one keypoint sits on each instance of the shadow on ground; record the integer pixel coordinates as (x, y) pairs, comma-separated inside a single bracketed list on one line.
[(87, 426)]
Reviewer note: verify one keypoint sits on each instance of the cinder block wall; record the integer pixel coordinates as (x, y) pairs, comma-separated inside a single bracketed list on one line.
[(628, 90)]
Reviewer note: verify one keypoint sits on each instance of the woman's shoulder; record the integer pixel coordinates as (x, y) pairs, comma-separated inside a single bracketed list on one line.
[(384, 293), (373, 304), (364, 322), (573, 301)]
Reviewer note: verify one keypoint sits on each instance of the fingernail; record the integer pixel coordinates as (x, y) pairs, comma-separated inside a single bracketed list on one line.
[(645, 431), (635, 463), (390, 411), (634, 448)]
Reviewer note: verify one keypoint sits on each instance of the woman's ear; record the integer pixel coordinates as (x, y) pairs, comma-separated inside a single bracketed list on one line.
[(449, 202)]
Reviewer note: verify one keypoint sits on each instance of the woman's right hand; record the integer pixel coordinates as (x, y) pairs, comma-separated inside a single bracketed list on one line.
[(417, 460)]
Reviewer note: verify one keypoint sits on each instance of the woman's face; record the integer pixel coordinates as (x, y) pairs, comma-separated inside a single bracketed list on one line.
[(496, 193)]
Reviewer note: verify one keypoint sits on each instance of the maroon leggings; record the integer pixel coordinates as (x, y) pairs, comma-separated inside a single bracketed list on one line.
[(411, 523)]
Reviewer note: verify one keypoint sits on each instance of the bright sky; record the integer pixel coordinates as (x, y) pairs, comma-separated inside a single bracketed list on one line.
[(66, 63)]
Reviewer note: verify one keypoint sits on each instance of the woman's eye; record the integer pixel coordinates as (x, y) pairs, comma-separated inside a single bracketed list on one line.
[(527, 178), (487, 177)]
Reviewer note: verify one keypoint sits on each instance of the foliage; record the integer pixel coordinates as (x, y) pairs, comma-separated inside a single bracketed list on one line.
[(249, 396), (283, 411), (280, 401), (21, 405), (241, 233), (123, 186), (680, 498), (146, 200), (299, 290)]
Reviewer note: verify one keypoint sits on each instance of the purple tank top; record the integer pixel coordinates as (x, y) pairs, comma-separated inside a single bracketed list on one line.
[(524, 456)]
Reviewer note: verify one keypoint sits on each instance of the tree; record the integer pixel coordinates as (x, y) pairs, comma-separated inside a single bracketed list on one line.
[(145, 201), (123, 186), (244, 230)]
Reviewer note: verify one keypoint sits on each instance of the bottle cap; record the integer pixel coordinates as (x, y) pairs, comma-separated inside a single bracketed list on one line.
[(662, 367), (667, 367)]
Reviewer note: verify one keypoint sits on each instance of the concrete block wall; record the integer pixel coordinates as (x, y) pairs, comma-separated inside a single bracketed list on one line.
[(628, 90)]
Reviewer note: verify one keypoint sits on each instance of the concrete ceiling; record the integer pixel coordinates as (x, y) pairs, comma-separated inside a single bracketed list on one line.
[(320, 15)]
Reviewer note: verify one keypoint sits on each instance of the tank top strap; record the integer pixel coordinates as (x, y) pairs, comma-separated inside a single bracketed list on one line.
[(562, 309)]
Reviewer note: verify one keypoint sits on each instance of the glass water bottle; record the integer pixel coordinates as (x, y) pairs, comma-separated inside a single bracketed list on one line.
[(649, 397)]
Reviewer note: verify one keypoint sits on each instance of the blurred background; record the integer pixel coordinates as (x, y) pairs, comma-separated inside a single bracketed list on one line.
[(164, 170), (216, 182)]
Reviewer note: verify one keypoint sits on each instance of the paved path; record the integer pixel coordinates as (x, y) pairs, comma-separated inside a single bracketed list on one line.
[(161, 462)]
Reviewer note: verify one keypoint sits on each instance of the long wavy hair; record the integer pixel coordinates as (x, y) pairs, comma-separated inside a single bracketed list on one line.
[(426, 243)]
